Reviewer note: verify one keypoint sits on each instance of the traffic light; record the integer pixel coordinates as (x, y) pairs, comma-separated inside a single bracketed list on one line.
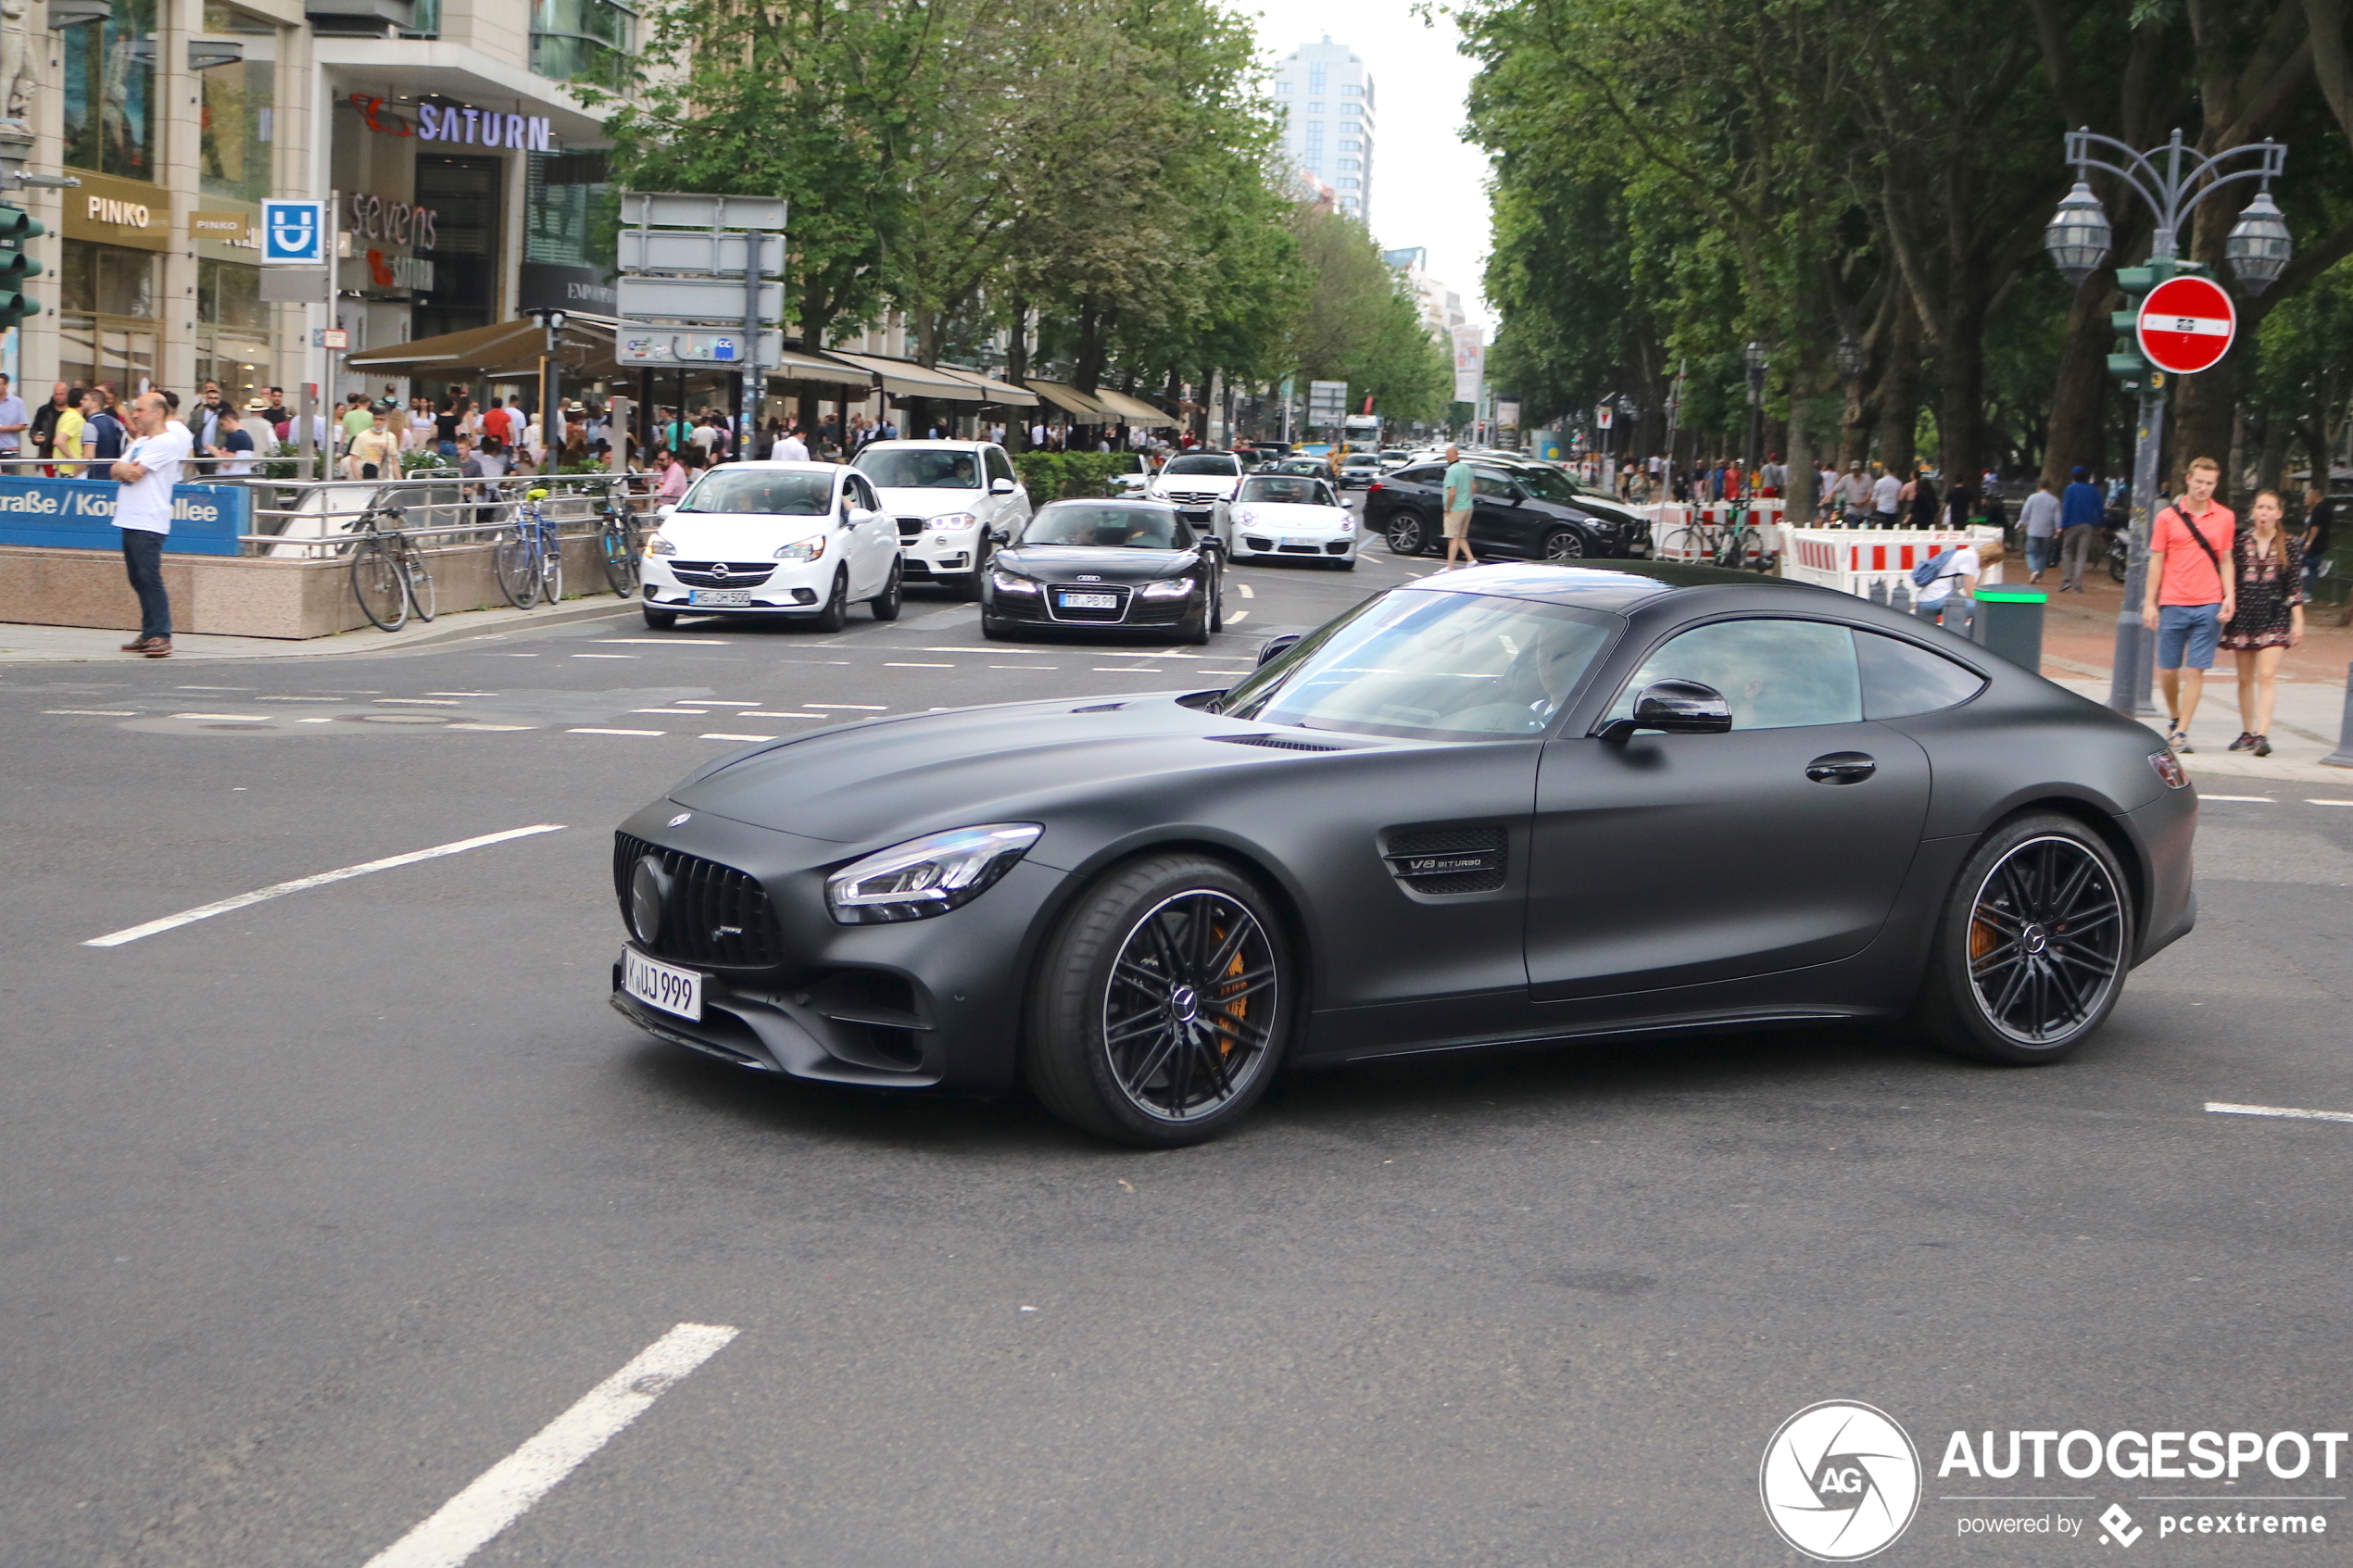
[(2126, 364), (16, 226)]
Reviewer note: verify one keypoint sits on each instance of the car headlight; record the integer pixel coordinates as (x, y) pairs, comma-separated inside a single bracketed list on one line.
[(1008, 583), (929, 875), (1346, 525), (658, 546), (1168, 589), (952, 522), (1245, 516), (807, 549)]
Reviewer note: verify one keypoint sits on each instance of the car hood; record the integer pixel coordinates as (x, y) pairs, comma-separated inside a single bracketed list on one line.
[(929, 503), (736, 536), (1290, 514), (884, 781), (1226, 484), (1063, 563)]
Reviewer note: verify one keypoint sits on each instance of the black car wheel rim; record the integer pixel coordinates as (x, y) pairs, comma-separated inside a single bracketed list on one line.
[(2046, 940), (1189, 1017), (1564, 545)]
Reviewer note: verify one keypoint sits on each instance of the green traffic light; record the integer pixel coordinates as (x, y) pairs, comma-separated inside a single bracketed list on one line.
[(16, 226)]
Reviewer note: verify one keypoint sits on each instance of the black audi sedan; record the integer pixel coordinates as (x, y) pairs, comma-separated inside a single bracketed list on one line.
[(1526, 512), (1488, 808), (1108, 566)]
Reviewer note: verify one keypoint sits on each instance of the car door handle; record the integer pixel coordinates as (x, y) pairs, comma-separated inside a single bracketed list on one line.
[(1841, 767)]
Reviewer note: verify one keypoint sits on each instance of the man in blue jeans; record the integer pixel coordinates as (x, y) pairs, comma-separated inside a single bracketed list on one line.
[(2082, 511), (143, 514), (2191, 592)]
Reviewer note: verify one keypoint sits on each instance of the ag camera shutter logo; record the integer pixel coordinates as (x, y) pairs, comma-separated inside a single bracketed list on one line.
[(1840, 1481)]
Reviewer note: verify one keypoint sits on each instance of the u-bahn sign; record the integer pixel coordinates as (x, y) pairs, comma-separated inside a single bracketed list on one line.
[(2186, 325)]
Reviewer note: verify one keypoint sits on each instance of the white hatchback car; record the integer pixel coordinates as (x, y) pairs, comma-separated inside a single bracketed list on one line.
[(791, 541), (946, 498), (1292, 516)]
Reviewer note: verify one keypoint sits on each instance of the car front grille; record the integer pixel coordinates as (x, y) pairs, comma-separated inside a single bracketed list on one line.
[(737, 573), (909, 527), (1099, 617), (718, 915)]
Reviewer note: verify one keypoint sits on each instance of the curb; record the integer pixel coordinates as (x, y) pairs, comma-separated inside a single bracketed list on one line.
[(346, 643)]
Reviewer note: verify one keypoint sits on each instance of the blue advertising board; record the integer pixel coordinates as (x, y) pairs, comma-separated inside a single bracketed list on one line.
[(78, 514)]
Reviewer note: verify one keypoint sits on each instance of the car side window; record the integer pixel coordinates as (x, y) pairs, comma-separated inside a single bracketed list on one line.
[(1493, 487), (1000, 466), (1419, 476), (1776, 674), (1899, 679)]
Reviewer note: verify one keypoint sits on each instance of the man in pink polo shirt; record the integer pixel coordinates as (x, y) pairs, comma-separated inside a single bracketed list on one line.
[(2190, 595)]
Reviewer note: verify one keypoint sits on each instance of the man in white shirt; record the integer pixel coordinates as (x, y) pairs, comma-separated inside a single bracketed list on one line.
[(792, 448), (1950, 596), (143, 514), (1887, 498), (13, 421)]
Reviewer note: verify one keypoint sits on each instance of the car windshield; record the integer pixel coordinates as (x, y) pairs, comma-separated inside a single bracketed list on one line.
[(734, 489), (1301, 465), (920, 469), (1132, 528), (1283, 492), (1222, 463), (1550, 485), (1361, 461), (1431, 664)]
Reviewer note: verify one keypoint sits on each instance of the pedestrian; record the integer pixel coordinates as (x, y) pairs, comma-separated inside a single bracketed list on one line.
[(233, 444), (2320, 522), (2193, 596), (206, 427), (2269, 619), (1961, 506), (14, 421), (673, 476), (2040, 520), (1461, 486), (65, 439), (142, 515), (1887, 498), (375, 452), (1919, 498), (356, 418), (103, 436), (1949, 596), (792, 448), (2083, 510)]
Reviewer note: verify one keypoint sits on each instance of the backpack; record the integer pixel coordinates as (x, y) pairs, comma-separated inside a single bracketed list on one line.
[(1926, 573)]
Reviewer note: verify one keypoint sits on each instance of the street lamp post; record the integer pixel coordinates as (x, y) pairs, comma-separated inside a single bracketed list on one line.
[(2173, 180), (551, 428), (1754, 361)]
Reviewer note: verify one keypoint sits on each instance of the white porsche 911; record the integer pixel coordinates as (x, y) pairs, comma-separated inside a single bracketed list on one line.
[(1292, 516)]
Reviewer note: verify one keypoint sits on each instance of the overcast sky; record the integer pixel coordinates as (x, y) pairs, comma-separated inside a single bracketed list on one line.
[(1430, 186)]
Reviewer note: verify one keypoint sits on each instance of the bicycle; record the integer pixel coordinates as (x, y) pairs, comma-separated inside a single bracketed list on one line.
[(621, 541), (1693, 540), (388, 573), (1740, 540), (530, 558)]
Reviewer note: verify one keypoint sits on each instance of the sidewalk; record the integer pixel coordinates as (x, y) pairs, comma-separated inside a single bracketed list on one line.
[(85, 645)]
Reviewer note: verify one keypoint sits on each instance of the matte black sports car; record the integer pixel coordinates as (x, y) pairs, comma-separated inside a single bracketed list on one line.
[(1104, 566), (1523, 510), (1506, 804)]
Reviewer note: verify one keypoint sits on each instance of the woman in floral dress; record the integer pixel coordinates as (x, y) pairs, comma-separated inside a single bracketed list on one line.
[(2270, 619)]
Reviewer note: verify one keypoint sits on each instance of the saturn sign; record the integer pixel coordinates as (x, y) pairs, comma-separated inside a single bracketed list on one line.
[(2187, 324)]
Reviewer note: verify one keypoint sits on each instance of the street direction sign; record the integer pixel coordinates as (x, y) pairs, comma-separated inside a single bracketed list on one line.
[(2187, 324), (294, 233), (676, 209), (1326, 401), (638, 344), (693, 300), (698, 250)]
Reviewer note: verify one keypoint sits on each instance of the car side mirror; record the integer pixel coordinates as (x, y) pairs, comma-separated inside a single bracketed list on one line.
[(859, 517), (1675, 708), (1001, 535), (1000, 487), (1276, 646)]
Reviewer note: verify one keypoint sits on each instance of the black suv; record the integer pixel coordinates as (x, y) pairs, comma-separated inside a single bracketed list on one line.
[(1530, 513)]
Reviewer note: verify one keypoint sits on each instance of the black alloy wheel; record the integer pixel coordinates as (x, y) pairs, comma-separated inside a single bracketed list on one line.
[(887, 604), (1160, 1009), (1562, 544), (836, 615), (1406, 536), (2033, 949)]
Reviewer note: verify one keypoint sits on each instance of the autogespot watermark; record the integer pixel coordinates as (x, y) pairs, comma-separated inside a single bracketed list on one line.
[(1840, 1481)]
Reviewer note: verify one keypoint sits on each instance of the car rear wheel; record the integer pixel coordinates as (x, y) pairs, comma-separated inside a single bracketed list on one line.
[(1406, 535), (2032, 946), (1161, 1007)]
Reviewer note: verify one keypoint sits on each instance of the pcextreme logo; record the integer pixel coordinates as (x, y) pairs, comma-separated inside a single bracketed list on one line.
[(1840, 1481)]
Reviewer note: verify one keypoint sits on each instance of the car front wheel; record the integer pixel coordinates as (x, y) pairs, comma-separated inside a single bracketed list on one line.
[(836, 615), (2032, 945), (1562, 544), (659, 620), (1161, 1005)]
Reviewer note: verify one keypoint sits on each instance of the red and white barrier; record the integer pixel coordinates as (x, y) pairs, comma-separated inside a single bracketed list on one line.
[(1850, 559)]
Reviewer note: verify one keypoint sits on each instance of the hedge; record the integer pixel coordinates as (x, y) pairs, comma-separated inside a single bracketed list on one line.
[(1063, 476)]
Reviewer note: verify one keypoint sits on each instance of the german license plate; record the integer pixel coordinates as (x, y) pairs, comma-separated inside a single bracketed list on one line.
[(1292, 541), (661, 985), (719, 599), (1089, 601)]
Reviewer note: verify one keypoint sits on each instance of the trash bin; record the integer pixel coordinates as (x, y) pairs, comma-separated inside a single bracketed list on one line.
[(2010, 621)]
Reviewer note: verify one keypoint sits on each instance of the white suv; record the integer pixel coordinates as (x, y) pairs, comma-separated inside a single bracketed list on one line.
[(946, 497), (1198, 484)]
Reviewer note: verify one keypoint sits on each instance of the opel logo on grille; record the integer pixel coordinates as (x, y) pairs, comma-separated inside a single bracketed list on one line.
[(721, 568)]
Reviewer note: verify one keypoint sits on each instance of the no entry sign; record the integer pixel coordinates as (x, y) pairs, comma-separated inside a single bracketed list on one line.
[(2187, 324)]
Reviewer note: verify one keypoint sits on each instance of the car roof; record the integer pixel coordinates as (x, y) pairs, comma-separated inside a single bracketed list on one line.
[(1609, 586), (927, 446), (777, 465), (1139, 503)]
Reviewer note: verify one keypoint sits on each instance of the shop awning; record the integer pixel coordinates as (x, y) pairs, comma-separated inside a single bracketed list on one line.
[(583, 345), (1082, 408), (799, 366), (992, 390), (904, 378), (1135, 410)]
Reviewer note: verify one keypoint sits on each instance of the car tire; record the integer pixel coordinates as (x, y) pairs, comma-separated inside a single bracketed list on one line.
[(1217, 603), (969, 588), (1345, 563), (1561, 544), (2033, 944), (661, 619), (995, 629), (836, 615), (1405, 534), (1160, 1008), (887, 603)]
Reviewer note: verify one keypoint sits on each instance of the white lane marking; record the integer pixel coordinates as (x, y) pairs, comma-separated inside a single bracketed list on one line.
[(2223, 1108), (585, 731), (1025, 667), (776, 713), (1224, 672), (212, 688), (418, 701), (604, 656), (715, 735), (461, 694), (523, 655), (715, 702), (1128, 670), (1246, 590), (503, 1492), (300, 698), (860, 707), (222, 718), (904, 664), (331, 720), (279, 890), (2262, 800), (478, 726), (690, 712), (662, 641), (95, 712), (2311, 801), (1238, 617)]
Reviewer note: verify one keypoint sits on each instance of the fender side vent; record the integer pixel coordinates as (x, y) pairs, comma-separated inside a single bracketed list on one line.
[(1466, 859), (1278, 743), (1101, 708)]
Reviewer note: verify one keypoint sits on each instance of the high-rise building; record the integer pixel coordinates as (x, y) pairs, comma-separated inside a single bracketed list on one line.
[(1325, 95)]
